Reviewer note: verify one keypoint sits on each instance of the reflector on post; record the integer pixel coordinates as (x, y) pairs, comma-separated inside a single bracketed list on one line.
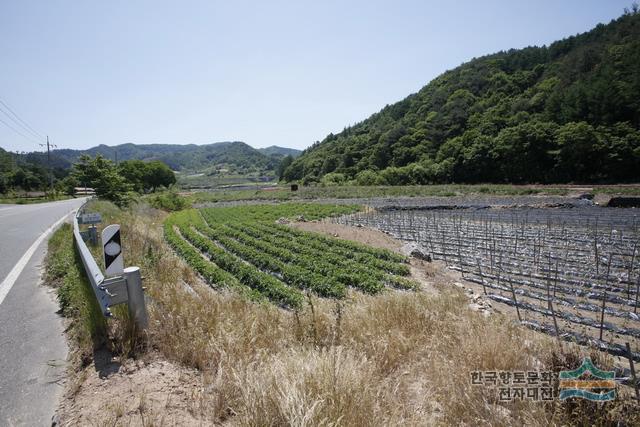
[(112, 249)]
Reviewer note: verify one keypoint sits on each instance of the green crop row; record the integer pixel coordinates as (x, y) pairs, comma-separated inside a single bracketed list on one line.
[(292, 274), (211, 273), (357, 267), (268, 214), (247, 274), (357, 274), (325, 266), (346, 248), (263, 214), (246, 249), (354, 256)]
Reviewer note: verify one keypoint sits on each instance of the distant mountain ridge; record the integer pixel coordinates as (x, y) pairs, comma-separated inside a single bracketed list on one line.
[(234, 155), (280, 151)]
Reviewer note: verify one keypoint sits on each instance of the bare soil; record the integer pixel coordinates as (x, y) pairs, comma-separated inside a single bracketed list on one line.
[(368, 236), (151, 391)]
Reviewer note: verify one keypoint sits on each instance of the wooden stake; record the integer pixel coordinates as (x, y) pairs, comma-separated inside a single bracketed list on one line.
[(595, 248), (633, 257), (633, 370), (555, 280), (635, 307), (515, 300), (604, 296), (550, 303), (481, 277), (444, 250)]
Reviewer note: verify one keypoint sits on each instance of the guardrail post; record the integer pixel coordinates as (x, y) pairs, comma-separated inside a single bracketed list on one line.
[(137, 306), (93, 235)]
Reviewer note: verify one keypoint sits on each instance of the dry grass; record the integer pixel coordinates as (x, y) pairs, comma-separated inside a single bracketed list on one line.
[(396, 359)]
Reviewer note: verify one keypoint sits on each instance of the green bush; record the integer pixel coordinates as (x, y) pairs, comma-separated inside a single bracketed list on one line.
[(333, 178), (368, 177), (168, 201)]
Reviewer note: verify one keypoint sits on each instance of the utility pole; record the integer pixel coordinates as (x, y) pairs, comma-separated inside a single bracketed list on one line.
[(49, 163)]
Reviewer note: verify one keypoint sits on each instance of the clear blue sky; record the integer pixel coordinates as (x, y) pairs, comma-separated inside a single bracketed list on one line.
[(264, 72)]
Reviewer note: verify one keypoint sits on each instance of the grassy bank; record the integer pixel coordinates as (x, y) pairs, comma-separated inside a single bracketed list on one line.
[(88, 329), (64, 271)]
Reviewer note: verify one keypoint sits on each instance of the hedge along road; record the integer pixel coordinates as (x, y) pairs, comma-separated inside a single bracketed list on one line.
[(33, 350)]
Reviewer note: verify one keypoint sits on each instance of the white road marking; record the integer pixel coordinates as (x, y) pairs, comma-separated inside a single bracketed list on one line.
[(13, 275)]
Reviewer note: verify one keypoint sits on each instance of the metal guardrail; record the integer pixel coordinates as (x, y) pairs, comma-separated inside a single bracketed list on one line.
[(111, 291)]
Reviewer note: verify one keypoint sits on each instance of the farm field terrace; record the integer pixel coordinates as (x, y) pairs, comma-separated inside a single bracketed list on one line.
[(571, 272), (247, 249)]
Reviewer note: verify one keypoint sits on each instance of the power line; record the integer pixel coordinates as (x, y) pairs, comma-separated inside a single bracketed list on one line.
[(19, 133), (20, 121)]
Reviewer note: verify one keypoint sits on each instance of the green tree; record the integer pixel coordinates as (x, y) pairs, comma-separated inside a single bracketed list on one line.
[(158, 174), (397, 176), (294, 171), (26, 179), (522, 153), (4, 184), (134, 172), (368, 177), (68, 185), (282, 166), (579, 154), (102, 175)]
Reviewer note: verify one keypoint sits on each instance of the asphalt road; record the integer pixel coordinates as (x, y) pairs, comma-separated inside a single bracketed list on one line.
[(33, 349)]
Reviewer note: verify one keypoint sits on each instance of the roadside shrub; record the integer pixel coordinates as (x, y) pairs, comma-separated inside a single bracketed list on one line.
[(168, 201)]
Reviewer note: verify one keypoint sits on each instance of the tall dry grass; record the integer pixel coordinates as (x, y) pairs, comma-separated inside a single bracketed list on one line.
[(396, 359)]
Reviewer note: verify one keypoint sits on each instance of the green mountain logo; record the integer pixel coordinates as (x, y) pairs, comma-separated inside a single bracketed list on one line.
[(588, 382)]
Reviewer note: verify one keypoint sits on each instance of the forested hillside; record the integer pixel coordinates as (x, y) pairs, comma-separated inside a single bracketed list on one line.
[(26, 172), (567, 112)]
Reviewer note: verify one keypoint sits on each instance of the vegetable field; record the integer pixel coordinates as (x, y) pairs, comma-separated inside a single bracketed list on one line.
[(245, 248), (571, 272)]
